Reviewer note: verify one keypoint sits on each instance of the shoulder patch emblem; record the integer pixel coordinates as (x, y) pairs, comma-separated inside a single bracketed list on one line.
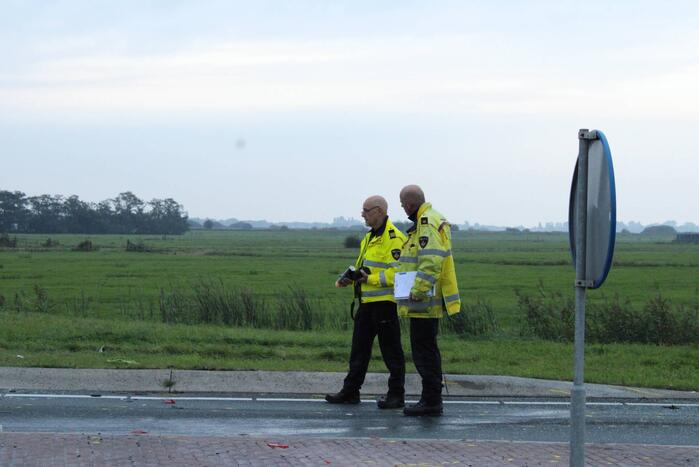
[(423, 241), (396, 254), (392, 233), (424, 221)]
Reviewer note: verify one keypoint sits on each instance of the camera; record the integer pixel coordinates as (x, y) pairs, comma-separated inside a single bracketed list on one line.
[(353, 274)]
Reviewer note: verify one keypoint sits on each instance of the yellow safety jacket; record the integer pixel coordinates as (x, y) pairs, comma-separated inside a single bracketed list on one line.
[(428, 251), (380, 254)]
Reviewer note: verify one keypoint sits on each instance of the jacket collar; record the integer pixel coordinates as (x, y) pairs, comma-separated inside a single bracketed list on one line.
[(378, 232), (417, 214), (421, 210)]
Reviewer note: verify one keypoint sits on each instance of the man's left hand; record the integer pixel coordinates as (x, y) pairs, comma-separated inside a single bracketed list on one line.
[(414, 298)]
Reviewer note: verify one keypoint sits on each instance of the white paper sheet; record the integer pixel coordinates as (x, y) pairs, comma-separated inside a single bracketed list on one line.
[(402, 284)]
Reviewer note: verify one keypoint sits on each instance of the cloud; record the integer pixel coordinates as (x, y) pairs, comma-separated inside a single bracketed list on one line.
[(449, 73)]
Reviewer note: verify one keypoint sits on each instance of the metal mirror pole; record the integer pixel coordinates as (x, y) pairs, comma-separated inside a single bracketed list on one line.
[(577, 406)]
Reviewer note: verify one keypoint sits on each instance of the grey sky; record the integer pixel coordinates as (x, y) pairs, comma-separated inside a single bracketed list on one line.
[(478, 102)]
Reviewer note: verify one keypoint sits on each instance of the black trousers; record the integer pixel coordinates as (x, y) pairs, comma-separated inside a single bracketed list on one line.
[(372, 319), (426, 356)]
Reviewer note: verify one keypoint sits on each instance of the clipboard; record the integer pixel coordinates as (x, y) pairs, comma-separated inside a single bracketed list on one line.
[(403, 283)]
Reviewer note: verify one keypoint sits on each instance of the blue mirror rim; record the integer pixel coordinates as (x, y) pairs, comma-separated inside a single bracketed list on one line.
[(597, 282)]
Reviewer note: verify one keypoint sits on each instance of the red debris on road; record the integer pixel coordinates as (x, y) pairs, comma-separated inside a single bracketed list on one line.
[(278, 445)]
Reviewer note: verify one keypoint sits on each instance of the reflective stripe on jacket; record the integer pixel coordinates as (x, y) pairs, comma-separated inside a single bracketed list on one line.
[(428, 251), (380, 254)]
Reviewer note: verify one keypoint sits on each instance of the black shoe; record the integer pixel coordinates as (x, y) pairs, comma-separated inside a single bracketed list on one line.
[(390, 401), (421, 408), (343, 397)]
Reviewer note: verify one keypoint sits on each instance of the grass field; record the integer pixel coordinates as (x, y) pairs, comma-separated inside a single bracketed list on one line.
[(59, 306)]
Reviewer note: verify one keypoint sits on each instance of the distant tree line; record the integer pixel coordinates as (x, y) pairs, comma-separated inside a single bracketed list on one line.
[(125, 214), (210, 224)]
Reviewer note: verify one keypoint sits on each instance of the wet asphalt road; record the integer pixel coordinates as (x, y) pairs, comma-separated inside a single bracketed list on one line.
[(657, 422)]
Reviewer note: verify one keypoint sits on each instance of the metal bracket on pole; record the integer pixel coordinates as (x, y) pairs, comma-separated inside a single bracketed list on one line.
[(587, 134), (584, 283)]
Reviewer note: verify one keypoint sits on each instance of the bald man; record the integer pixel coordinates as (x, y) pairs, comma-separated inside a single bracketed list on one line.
[(427, 252), (378, 258)]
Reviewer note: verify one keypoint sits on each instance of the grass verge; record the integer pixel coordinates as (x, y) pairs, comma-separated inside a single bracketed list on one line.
[(45, 340)]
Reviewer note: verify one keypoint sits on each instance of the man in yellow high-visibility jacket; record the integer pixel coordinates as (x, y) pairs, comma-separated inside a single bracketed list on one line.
[(428, 252), (379, 253)]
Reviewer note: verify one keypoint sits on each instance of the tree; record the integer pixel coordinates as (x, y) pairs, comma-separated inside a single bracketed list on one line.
[(46, 214), (167, 216), (240, 226), (105, 216), (660, 231), (352, 242), (13, 211), (124, 214), (208, 224), (80, 217), (129, 212)]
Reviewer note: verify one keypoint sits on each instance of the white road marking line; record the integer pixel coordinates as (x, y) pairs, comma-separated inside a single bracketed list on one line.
[(535, 403), (134, 398), (291, 399), (473, 402), (661, 404)]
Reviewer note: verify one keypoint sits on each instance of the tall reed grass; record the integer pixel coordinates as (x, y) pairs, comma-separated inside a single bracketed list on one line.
[(550, 315)]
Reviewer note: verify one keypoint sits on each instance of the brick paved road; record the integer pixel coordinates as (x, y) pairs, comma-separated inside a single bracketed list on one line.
[(48, 449)]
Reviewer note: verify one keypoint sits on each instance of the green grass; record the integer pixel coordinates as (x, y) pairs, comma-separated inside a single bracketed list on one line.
[(57, 341), (68, 297), (113, 282)]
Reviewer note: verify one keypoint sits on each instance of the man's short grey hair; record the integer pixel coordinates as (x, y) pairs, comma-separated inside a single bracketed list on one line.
[(412, 194), (377, 200)]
